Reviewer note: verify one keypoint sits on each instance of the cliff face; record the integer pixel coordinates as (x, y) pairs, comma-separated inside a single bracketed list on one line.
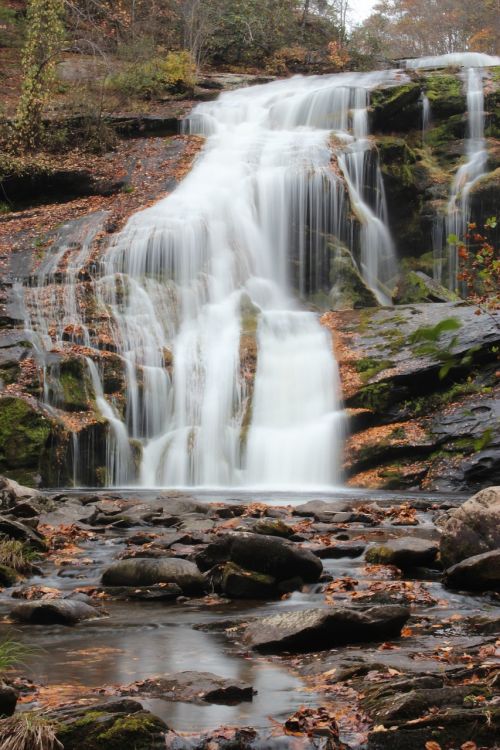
[(408, 426)]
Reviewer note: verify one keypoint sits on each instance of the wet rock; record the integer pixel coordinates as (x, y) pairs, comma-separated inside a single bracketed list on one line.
[(53, 612), (160, 591), (9, 576), (21, 531), (8, 700), (404, 553), (319, 629), (105, 726), (238, 583), (196, 687), (148, 572), (477, 573), (320, 509), (179, 505), (12, 494), (339, 550), (270, 555), (448, 727), (349, 289), (473, 528), (272, 527)]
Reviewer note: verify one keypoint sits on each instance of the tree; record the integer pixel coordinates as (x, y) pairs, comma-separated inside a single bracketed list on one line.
[(44, 42)]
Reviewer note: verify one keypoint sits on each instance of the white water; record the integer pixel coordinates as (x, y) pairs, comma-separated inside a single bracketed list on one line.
[(476, 158), (241, 240)]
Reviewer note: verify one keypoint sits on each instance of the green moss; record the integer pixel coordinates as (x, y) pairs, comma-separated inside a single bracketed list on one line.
[(133, 731), (396, 108), (379, 555), (444, 88), (368, 367), (349, 290), (8, 576), (376, 397), (414, 289), (447, 132), (23, 435), (75, 385)]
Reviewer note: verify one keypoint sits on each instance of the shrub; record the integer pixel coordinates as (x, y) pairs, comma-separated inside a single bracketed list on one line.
[(12, 654), (14, 555), (174, 74)]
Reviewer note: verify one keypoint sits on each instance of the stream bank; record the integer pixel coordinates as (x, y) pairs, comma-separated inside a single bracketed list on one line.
[(249, 620)]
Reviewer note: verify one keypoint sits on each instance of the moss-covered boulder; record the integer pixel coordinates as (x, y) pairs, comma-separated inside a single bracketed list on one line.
[(485, 195), (397, 108), (446, 95), (24, 436), (110, 726), (76, 388), (415, 287), (349, 290)]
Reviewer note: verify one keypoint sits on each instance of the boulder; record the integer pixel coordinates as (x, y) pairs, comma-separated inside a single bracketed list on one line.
[(142, 571), (415, 287), (21, 531), (478, 573), (12, 493), (8, 700), (404, 553), (116, 724), (349, 290), (53, 612), (320, 629), (270, 555), (472, 529), (321, 510), (196, 687), (238, 583), (272, 527)]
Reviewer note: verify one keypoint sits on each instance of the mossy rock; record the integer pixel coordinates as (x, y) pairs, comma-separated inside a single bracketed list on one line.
[(415, 287), (396, 109), (9, 576), (75, 384), (100, 730), (454, 128), (24, 434), (446, 95), (349, 290), (374, 396), (485, 196)]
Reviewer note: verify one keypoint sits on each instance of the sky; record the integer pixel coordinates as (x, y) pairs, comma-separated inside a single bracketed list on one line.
[(360, 9)]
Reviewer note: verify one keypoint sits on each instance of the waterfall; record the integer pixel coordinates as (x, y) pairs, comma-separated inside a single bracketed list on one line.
[(232, 256), (426, 115), (476, 157)]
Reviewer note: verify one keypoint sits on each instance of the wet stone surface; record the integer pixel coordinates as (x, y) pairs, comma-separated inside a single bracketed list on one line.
[(194, 623)]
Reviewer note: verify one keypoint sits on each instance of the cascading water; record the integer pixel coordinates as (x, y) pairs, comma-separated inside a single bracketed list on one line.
[(458, 209), (218, 260)]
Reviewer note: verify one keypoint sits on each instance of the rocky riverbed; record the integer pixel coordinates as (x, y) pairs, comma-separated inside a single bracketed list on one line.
[(357, 619)]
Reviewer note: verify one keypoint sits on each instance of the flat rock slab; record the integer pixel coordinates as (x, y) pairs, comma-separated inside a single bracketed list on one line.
[(143, 571), (407, 552), (53, 612), (477, 573), (196, 687), (24, 533), (320, 629), (320, 509)]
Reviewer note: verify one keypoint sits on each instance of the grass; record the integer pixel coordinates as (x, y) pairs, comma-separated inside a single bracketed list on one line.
[(12, 654), (15, 555), (28, 731)]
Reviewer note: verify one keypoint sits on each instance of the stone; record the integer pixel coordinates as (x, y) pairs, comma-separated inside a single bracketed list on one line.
[(12, 493), (21, 531), (349, 290), (408, 552), (416, 286), (320, 509), (238, 583), (339, 550), (476, 573), (8, 700), (320, 629), (472, 529), (150, 571), (270, 555), (272, 527), (53, 612), (196, 687), (113, 725), (9, 576)]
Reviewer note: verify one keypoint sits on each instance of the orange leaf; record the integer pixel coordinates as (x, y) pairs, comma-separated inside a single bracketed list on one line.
[(431, 745)]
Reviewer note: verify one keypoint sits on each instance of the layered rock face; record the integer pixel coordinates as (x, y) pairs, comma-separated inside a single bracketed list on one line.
[(419, 429)]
